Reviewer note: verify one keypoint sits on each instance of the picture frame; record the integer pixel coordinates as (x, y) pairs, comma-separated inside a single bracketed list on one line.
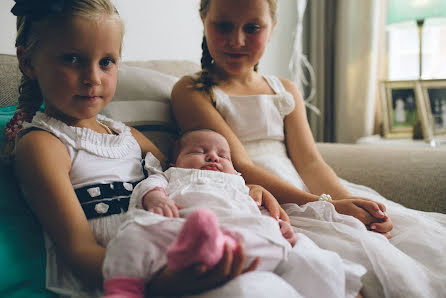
[(434, 95), (402, 108)]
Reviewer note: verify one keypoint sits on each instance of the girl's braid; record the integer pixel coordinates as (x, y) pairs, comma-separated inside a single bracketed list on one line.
[(30, 98), (205, 80)]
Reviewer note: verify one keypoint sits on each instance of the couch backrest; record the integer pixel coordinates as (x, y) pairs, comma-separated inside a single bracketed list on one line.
[(9, 80)]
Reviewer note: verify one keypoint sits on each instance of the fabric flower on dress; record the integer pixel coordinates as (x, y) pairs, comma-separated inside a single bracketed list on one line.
[(37, 9)]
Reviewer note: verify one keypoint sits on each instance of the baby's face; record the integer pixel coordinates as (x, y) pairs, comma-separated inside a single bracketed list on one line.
[(205, 150)]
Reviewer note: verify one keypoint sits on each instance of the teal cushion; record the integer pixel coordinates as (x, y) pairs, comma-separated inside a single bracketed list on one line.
[(22, 251)]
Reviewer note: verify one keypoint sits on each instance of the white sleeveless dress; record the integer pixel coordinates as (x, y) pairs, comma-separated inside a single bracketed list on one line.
[(97, 160), (411, 264)]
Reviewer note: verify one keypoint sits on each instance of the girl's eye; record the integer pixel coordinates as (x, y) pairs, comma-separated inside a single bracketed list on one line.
[(224, 27), (71, 59), (251, 28), (106, 62)]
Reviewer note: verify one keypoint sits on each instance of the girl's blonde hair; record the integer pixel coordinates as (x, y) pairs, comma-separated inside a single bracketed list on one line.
[(205, 81), (29, 33)]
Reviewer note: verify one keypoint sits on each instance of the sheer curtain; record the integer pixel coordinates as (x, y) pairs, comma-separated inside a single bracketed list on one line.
[(343, 41)]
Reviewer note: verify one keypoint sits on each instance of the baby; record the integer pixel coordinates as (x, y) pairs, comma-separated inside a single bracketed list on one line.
[(202, 186)]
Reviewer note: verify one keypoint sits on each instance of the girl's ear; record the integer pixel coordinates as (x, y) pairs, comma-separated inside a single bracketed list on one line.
[(171, 164), (25, 63)]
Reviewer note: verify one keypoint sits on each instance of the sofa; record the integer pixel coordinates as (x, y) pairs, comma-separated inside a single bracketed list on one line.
[(414, 177)]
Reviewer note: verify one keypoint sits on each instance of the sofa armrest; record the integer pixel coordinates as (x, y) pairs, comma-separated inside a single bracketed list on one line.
[(413, 177)]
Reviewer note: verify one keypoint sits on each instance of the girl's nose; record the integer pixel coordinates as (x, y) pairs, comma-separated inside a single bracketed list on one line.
[(92, 76), (237, 38)]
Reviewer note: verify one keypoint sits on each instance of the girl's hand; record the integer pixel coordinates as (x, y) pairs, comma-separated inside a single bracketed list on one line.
[(156, 201), (370, 213), (197, 279), (263, 197)]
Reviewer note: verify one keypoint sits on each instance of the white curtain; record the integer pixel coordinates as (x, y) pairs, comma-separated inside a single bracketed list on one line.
[(344, 44), (359, 27)]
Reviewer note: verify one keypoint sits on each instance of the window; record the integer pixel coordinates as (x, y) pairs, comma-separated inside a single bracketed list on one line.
[(403, 51)]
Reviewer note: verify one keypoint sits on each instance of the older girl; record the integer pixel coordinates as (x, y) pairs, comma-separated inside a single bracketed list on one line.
[(263, 118)]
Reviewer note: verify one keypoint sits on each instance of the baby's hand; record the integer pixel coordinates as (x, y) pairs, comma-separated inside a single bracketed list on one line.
[(156, 201), (287, 232)]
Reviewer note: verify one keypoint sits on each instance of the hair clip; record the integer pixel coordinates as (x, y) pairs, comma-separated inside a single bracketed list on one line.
[(37, 9)]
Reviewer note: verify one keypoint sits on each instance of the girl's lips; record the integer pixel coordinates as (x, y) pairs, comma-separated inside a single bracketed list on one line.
[(235, 55), (89, 98)]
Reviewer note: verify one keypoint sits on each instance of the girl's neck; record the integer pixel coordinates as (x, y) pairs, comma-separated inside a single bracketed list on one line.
[(248, 83), (245, 77), (90, 123)]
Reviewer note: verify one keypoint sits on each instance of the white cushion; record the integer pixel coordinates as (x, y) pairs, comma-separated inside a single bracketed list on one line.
[(142, 97)]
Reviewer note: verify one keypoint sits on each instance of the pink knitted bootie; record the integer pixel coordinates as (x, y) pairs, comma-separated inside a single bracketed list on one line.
[(124, 287), (200, 241)]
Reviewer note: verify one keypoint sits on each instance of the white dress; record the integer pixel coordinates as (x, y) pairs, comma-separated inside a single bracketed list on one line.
[(104, 170), (411, 264), (139, 249), (224, 194)]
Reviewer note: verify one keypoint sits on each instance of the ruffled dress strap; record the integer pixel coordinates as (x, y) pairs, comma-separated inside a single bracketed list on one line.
[(105, 145)]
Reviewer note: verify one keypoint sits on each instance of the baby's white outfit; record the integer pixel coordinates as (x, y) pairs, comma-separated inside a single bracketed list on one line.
[(411, 264), (104, 170), (139, 249)]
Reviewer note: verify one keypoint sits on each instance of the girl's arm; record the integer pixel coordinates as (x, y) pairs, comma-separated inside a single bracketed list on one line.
[(147, 146), (193, 108), (317, 175), (42, 167), (301, 147)]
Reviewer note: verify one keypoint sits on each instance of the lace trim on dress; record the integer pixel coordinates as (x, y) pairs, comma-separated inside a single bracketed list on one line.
[(106, 145)]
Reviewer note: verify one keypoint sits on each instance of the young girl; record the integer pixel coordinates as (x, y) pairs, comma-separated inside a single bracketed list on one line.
[(263, 118), (77, 168)]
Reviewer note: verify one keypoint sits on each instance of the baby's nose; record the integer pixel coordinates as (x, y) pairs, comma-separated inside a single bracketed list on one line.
[(212, 157)]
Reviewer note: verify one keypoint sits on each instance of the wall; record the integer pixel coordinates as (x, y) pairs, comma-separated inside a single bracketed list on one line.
[(172, 29)]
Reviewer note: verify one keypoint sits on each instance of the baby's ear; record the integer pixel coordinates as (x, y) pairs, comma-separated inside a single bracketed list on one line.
[(25, 63)]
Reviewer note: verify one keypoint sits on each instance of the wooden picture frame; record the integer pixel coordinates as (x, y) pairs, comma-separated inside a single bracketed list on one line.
[(434, 95), (401, 102)]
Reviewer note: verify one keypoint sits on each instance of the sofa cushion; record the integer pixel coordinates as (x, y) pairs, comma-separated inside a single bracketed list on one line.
[(9, 80), (142, 100), (22, 252)]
